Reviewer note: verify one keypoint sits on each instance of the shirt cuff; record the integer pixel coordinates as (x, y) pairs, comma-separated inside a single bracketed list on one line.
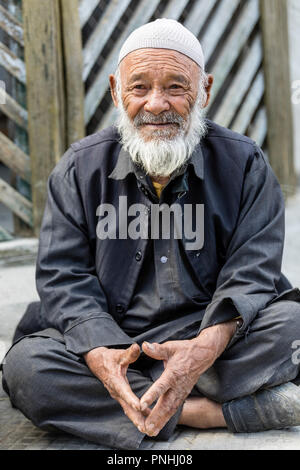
[(99, 330), (220, 312)]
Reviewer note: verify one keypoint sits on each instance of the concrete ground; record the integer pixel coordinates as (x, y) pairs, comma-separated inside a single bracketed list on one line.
[(17, 289)]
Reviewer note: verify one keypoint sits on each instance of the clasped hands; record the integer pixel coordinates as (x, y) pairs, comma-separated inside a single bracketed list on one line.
[(184, 362)]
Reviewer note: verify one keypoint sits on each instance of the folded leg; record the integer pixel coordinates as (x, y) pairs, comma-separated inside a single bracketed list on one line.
[(253, 379), (55, 390), (261, 356)]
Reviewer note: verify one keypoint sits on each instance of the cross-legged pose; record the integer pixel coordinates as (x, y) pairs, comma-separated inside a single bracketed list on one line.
[(159, 269)]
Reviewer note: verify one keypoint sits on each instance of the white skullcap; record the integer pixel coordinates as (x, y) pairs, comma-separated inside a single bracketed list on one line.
[(164, 34)]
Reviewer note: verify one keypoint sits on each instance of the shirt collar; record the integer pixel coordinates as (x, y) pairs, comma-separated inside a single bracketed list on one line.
[(125, 165)]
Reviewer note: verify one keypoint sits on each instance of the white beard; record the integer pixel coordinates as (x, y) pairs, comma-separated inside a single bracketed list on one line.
[(162, 155)]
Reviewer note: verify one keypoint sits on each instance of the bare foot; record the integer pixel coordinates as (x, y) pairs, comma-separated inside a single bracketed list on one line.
[(202, 413)]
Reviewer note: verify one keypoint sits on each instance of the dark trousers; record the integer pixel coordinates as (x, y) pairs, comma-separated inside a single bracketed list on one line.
[(56, 391)]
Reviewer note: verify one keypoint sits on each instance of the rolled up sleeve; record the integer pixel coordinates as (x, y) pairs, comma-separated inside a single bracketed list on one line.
[(71, 293), (247, 280)]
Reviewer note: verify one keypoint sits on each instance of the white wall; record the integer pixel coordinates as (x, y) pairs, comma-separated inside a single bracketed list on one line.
[(294, 37)]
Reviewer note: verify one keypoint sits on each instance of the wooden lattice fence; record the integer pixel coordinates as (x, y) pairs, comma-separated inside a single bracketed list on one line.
[(71, 47), (231, 39), (14, 153)]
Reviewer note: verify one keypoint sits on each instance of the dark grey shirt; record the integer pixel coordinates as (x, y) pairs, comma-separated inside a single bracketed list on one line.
[(166, 289), (113, 292)]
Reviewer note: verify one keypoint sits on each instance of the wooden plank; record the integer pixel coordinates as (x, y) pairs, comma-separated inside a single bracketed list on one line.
[(18, 93), (11, 26), (174, 9), (109, 118), (222, 17), (249, 105), (45, 95), (18, 204), (102, 33), (232, 48), (73, 70), (258, 129), (240, 84), (12, 63), (86, 8), (274, 22), (4, 235), (198, 15), (13, 157), (141, 15), (13, 110)]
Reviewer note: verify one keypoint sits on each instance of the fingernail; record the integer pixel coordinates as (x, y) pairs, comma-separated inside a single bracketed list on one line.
[(151, 430), (144, 406), (150, 346)]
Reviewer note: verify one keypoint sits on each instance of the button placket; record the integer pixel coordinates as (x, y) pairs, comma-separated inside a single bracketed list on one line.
[(163, 268), (120, 308)]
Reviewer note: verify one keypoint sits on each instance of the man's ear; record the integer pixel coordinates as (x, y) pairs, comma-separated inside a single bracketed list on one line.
[(112, 82), (210, 80)]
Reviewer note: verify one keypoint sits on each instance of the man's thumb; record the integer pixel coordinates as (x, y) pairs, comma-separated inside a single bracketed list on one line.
[(132, 354), (155, 350)]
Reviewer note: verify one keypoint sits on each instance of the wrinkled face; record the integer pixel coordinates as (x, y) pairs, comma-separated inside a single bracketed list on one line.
[(159, 88), (160, 95)]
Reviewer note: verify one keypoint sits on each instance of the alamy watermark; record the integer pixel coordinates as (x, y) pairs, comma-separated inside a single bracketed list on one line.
[(159, 221), (2, 92), (296, 92), (296, 353)]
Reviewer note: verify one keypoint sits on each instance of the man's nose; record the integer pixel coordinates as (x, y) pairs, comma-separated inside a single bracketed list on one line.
[(156, 103)]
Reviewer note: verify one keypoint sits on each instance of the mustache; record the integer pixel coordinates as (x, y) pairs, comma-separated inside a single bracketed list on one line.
[(168, 117)]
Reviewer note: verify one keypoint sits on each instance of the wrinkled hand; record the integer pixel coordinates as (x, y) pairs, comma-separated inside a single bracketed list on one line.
[(184, 362), (110, 366)]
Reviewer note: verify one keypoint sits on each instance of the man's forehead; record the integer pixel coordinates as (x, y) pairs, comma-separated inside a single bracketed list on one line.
[(169, 75), (172, 64)]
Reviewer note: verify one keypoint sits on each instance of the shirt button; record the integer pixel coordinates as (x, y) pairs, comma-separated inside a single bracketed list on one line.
[(164, 259), (138, 255), (120, 308)]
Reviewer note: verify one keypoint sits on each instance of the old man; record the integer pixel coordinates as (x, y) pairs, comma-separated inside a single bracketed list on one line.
[(159, 269)]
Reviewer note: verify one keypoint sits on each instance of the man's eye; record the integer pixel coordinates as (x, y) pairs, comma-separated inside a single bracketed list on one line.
[(139, 87), (175, 86)]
